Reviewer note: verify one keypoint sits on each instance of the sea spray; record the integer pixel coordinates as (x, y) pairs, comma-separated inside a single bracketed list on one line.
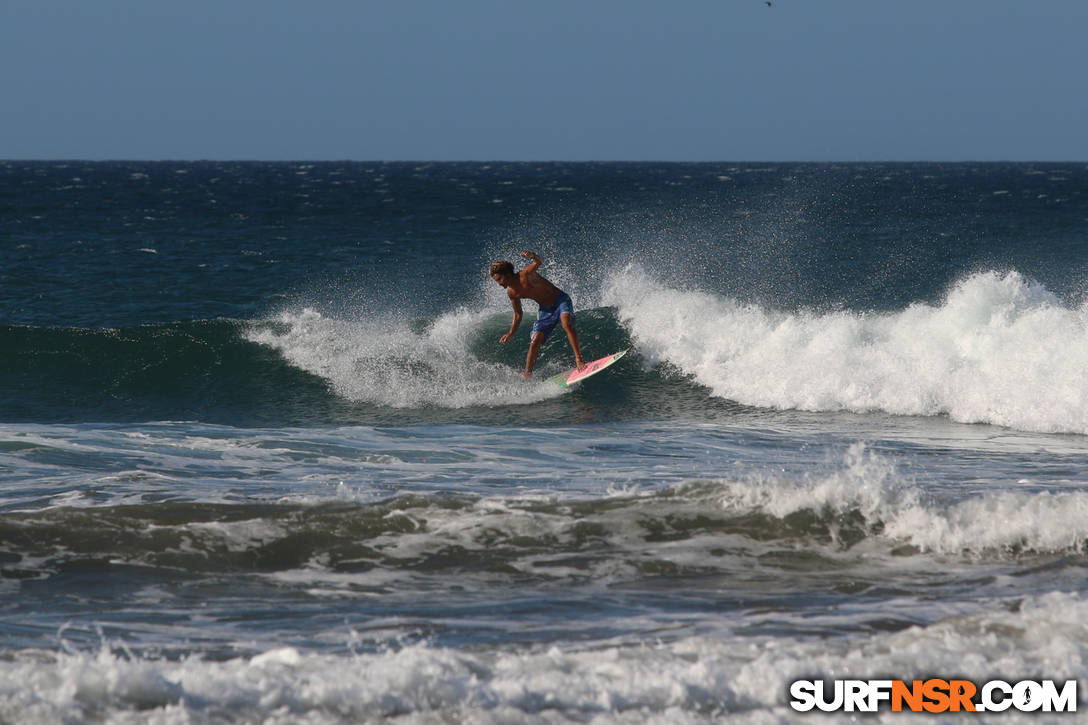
[(398, 363)]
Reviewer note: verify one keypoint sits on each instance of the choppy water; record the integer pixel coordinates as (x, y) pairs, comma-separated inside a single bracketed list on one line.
[(262, 457)]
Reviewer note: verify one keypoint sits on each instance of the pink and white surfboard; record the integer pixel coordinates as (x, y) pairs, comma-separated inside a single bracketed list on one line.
[(576, 375)]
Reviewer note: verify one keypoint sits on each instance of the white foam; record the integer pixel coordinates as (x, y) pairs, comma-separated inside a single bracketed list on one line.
[(866, 483), (388, 362), (1041, 522), (236, 536), (1000, 349), (716, 677), (985, 524)]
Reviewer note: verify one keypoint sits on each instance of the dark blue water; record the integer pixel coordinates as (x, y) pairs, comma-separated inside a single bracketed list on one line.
[(263, 458)]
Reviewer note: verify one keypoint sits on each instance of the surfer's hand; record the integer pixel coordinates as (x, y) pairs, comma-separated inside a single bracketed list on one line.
[(505, 338)]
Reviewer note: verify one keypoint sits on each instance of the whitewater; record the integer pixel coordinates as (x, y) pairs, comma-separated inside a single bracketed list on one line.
[(998, 349)]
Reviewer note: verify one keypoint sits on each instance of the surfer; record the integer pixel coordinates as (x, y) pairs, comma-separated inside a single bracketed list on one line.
[(555, 306)]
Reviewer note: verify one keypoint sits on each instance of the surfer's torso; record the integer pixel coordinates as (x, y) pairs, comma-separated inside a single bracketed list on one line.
[(529, 285)]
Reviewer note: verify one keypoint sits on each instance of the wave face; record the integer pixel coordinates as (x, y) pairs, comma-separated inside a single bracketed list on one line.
[(299, 367), (181, 371), (999, 349)]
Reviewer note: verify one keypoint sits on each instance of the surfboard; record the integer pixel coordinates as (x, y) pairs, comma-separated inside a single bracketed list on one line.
[(576, 376)]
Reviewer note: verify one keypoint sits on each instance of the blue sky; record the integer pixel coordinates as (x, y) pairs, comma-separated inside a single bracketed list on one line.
[(714, 80)]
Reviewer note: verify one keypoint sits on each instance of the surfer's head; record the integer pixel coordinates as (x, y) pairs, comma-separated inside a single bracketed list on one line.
[(502, 271)]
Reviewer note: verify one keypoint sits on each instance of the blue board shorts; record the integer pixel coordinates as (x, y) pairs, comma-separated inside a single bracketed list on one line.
[(548, 317)]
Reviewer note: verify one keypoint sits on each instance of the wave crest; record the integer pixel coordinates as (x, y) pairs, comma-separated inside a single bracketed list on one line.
[(1000, 349)]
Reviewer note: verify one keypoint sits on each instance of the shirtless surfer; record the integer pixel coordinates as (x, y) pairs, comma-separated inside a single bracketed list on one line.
[(555, 306)]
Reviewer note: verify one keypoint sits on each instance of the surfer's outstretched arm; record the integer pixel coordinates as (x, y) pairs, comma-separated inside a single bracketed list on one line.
[(516, 304), (535, 264)]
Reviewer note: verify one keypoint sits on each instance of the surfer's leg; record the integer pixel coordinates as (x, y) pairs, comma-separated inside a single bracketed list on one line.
[(572, 335), (534, 350)]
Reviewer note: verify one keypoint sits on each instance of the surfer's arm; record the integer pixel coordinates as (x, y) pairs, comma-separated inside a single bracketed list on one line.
[(516, 304), (535, 264)]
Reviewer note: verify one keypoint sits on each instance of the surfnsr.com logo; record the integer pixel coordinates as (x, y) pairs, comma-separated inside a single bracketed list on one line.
[(933, 695)]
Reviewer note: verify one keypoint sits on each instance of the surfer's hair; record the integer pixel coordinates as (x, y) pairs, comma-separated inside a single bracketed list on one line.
[(502, 267)]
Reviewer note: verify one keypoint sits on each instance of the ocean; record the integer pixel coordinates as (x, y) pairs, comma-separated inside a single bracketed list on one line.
[(263, 458)]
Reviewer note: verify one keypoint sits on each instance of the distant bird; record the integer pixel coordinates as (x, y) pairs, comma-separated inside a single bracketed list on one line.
[(767, 3)]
